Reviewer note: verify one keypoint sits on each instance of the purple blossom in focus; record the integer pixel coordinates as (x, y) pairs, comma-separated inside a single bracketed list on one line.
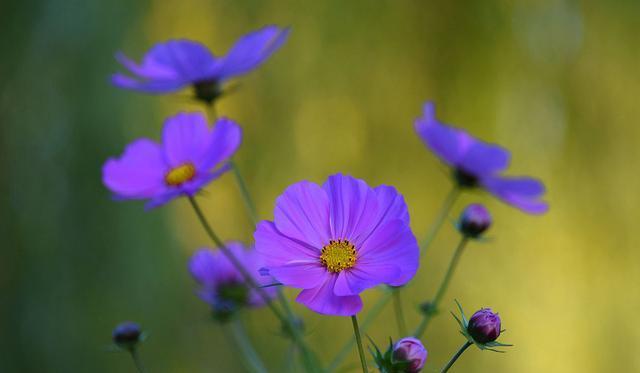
[(191, 155), (484, 326), (410, 349), (176, 64), (479, 164), (336, 240), (222, 285)]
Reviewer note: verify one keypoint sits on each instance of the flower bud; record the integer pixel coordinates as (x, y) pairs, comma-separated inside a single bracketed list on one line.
[(474, 221), (127, 334), (412, 351), (484, 326)]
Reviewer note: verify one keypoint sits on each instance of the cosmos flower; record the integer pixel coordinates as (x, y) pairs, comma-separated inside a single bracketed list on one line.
[(222, 285), (336, 240), (176, 64), (484, 326), (411, 350), (191, 155), (479, 164)]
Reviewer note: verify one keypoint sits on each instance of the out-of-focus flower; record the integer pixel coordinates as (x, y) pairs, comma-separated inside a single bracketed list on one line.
[(222, 285), (127, 335), (474, 221), (176, 64), (479, 164), (482, 329), (191, 155), (410, 350), (484, 326), (337, 240)]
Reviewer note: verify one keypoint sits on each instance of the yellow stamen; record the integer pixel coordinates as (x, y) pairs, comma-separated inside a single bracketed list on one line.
[(181, 174), (338, 255)]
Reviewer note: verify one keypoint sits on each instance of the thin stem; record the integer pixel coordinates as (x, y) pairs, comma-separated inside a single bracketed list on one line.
[(211, 110), (243, 342), (440, 218), (371, 315), (397, 306), (246, 196), (136, 360), (433, 307), (356, 333), (306, 354), (455, 357)]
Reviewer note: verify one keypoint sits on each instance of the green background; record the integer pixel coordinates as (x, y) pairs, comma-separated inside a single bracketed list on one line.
[(556, 82)]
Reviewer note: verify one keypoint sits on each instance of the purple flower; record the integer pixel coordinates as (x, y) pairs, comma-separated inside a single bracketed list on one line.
[(474, 221), (410, 349), (191, 155), (479, 164), (175, 64), (484, 326), (222, 285), (337, 240)]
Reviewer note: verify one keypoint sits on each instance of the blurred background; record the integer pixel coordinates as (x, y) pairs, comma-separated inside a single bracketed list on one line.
[(556, 82)]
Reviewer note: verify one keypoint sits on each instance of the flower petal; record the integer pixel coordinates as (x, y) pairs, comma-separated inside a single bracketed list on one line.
[(355, 280), (323, 300), (521, 192), (447, 142), (353, 208), (202, 266), (484, 158), (186, 139), (147, 86), (304, 274), (252, 50), (276, 249), (391, 244), (138, 173), (225, 140), (302, 213)]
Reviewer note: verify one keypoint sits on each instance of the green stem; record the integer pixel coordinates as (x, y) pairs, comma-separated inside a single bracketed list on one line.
[(306, 354), (371, 315), (356, 333), (136, 360), (243, 342), (211, 110), (440, 218), (455, 357), (397, 306), (433, 307), (246, 196)]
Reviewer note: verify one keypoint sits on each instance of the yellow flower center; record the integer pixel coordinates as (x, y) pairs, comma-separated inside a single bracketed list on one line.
[(338, 255), (181, 174)]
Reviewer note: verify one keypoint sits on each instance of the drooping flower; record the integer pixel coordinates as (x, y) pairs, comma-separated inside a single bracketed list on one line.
[(335, 241), (191, 155), (484, 326), (176, 64), (222, 285), (479, 164), (474, 220)]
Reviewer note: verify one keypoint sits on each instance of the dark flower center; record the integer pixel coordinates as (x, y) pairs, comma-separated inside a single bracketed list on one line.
[(338, 255), (207, 90), (464, 178)]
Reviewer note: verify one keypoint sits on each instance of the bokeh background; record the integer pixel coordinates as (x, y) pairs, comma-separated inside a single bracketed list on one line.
[(557, 82)]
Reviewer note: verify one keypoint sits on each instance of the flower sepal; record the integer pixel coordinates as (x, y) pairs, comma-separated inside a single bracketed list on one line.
[(464, 330)]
